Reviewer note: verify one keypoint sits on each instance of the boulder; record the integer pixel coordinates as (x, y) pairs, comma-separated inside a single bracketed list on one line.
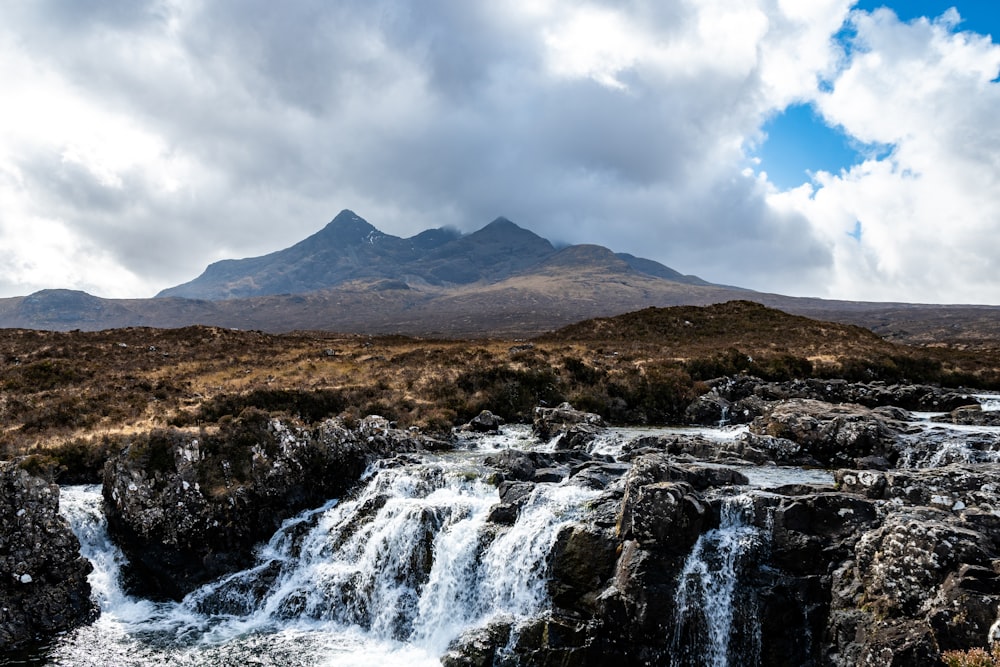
[(834, 434), (709, 410), (549, 422), (969, 415), (43, 577), (484, 422), (578, 437)]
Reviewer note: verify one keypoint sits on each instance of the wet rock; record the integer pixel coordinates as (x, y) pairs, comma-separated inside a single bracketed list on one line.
[(970, 415), (43, 577), (812, 534), (657, 511), (578, 436), (478, 647), (513, 497), (187, 509), (484, 422), (522, 466), (550, 475), (549, 422), (833, 434), (709, 410), (583, 560), (597, 474)]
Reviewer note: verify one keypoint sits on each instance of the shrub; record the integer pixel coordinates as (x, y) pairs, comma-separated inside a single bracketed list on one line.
[(310, 406), (46, 375), (976, 657)]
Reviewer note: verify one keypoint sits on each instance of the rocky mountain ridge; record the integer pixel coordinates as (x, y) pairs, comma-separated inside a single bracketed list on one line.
[(350, 248), (501, 280)]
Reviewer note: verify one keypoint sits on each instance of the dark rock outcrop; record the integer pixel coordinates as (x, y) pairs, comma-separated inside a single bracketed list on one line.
[(549, 422), (834, 434), (43, 577), (740, 390), (187, 509), (484, 422), (970, 415)]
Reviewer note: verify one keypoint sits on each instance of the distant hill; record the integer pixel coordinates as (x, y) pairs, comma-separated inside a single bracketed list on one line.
[(699, 330), (502, 280)]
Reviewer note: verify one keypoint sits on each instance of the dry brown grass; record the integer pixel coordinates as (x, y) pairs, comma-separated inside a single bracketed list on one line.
[(62, 388)]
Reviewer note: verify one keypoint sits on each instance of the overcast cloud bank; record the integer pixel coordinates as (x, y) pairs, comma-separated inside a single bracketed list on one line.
[(140, 141)]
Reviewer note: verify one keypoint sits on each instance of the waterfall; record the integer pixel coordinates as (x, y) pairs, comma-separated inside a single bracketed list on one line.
[(715, 608), (724, 417), (389, 576)]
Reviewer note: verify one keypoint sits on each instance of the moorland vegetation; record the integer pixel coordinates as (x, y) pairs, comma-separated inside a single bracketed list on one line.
[(70, 399)]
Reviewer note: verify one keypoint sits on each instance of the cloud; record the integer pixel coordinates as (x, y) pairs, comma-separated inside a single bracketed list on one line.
[(928, 210), (160, 136)]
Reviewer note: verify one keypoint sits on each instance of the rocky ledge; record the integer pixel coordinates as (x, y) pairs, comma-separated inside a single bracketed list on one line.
[(187, 508), (881, 566), (43, 578)]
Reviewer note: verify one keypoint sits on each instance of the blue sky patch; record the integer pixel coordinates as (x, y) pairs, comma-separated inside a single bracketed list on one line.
[(982, 16), (799, 141)]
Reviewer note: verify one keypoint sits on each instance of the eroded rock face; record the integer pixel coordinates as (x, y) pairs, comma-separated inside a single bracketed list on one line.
[(186, 509), (43, 578), (926, 577)]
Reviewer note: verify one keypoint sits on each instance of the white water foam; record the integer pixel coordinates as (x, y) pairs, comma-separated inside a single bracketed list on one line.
[(711, 607), (389, 577)]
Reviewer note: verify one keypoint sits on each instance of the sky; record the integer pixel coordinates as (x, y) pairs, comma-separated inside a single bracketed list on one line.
[(829, 148)]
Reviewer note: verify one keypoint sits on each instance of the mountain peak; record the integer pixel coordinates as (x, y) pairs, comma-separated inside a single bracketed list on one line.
[(502, 222), (349, 228)]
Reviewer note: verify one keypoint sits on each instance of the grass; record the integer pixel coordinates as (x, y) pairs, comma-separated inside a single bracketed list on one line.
[(65, 391)]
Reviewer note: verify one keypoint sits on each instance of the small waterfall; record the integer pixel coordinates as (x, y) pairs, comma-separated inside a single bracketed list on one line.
[(715, 610), (390, 576), (724, 417)]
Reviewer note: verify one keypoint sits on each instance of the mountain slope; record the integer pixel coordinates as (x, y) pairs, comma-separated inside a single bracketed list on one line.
[(502, 280), (349, 248)]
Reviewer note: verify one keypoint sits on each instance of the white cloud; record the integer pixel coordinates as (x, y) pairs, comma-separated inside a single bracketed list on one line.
[(929, 211), (142, 141)]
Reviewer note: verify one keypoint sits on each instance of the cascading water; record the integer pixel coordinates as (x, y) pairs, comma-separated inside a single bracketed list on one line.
[(391, 576), (715, 612)]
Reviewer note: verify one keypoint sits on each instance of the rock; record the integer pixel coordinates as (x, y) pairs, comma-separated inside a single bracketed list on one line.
[(834, 434), (578, 436), (485, 422), (549, 422), (920, 582), (478, 647), (970, 415), (43, 577), (925, 398), (597, 474), (583, 560), (513, 464), (188, 509), (813, 533), (709, 410), (513, 496), (658, 512)]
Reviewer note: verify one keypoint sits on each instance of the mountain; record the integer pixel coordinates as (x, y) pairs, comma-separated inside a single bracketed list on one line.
[(502, 280), (350, 249)]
